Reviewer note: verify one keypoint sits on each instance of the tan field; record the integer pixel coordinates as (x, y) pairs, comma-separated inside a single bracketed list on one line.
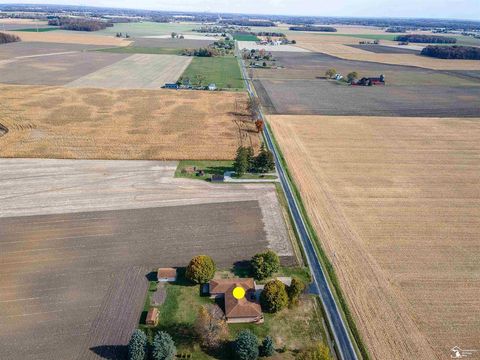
[(396, 205), (337, 46), (71, 38), (57, 122), (13, 21), (138, 71)]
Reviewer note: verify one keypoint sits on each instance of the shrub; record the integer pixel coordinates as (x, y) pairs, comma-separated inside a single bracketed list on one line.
[(318, 352), (137, 346), (295, 289), (274, 296), (245, 346), (265, 264), (201, 269), (163, 347), (268, 348)]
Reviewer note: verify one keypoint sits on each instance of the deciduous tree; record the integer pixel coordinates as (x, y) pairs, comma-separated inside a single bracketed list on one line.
[(211, 326), (264, 264), (330, 73), (274, 296), (201, 269)]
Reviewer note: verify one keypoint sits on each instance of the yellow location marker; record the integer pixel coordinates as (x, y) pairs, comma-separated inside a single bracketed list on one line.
[(239, 293)]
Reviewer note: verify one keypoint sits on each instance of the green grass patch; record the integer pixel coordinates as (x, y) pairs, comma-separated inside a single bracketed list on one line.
[(223, 71), (141, 50), (245, 37), (331, 275), (38, 30), (212, 167)]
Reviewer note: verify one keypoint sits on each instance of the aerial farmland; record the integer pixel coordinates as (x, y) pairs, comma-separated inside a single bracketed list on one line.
[(335, 162)]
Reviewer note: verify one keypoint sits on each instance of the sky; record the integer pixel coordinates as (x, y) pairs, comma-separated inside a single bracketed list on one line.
[(446, 9)]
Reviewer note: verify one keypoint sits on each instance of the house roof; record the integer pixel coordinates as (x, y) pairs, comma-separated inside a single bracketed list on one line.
[(240, 308), (166, 273), (220, 286), (237, 308)]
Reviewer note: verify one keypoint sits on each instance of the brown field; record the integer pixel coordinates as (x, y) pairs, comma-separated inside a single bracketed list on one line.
[(337, 46), (56, 122), (396, 205), (71, 38)]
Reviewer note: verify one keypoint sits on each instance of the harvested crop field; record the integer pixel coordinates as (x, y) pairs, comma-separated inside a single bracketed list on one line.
[(59, 270), (396, 205), (71, 37), (57, 67), (24, 49), (139, 71), (252, 45), (379, 49), (95, 228), (314, 65), (57, 122), (308, 97), (338, 46)]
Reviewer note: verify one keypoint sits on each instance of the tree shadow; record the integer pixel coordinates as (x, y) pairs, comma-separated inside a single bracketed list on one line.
[(242, 269), (111, 352)]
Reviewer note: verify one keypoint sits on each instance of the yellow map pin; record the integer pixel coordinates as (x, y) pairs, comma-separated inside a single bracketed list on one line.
[(239, 292)]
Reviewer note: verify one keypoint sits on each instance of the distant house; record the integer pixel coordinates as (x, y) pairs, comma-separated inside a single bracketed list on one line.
[(217, 178), (167, 275), (244, 310), (171, 86), (212, 87), (152, 317)]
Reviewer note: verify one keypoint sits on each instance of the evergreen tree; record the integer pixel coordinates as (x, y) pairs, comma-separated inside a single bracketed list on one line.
[(264, 162), (294, 290), (163, 347), (242, 162), (268, 348), (245, 346), (137, 346)]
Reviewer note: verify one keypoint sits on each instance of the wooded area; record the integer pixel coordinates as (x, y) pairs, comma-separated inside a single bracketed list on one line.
[(452, 52), (8, 38), (433, 39)]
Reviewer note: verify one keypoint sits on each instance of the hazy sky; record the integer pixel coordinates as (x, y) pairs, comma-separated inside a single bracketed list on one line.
[(451, 9)]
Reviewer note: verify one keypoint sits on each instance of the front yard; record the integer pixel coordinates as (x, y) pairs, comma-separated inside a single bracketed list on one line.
[(292, 329)]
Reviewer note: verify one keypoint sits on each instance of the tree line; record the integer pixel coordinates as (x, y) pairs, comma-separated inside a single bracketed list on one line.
[(76, 24), (452, 52), (8, 38), (432, 39), (313, 28)]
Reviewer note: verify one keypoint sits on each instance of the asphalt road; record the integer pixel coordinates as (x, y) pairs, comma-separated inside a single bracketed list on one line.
[(343, 344)]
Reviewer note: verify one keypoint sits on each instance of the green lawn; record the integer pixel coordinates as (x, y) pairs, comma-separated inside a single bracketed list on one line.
[(212, 167), (38, 30), (294, 328), (245, 37), (141, 50), (224, 71)]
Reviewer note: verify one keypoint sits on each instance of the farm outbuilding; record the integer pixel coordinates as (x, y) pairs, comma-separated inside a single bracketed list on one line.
[(152, 317), (167, 274)]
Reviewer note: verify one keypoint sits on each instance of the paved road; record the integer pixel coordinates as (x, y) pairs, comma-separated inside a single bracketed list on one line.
[(343, 342)]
